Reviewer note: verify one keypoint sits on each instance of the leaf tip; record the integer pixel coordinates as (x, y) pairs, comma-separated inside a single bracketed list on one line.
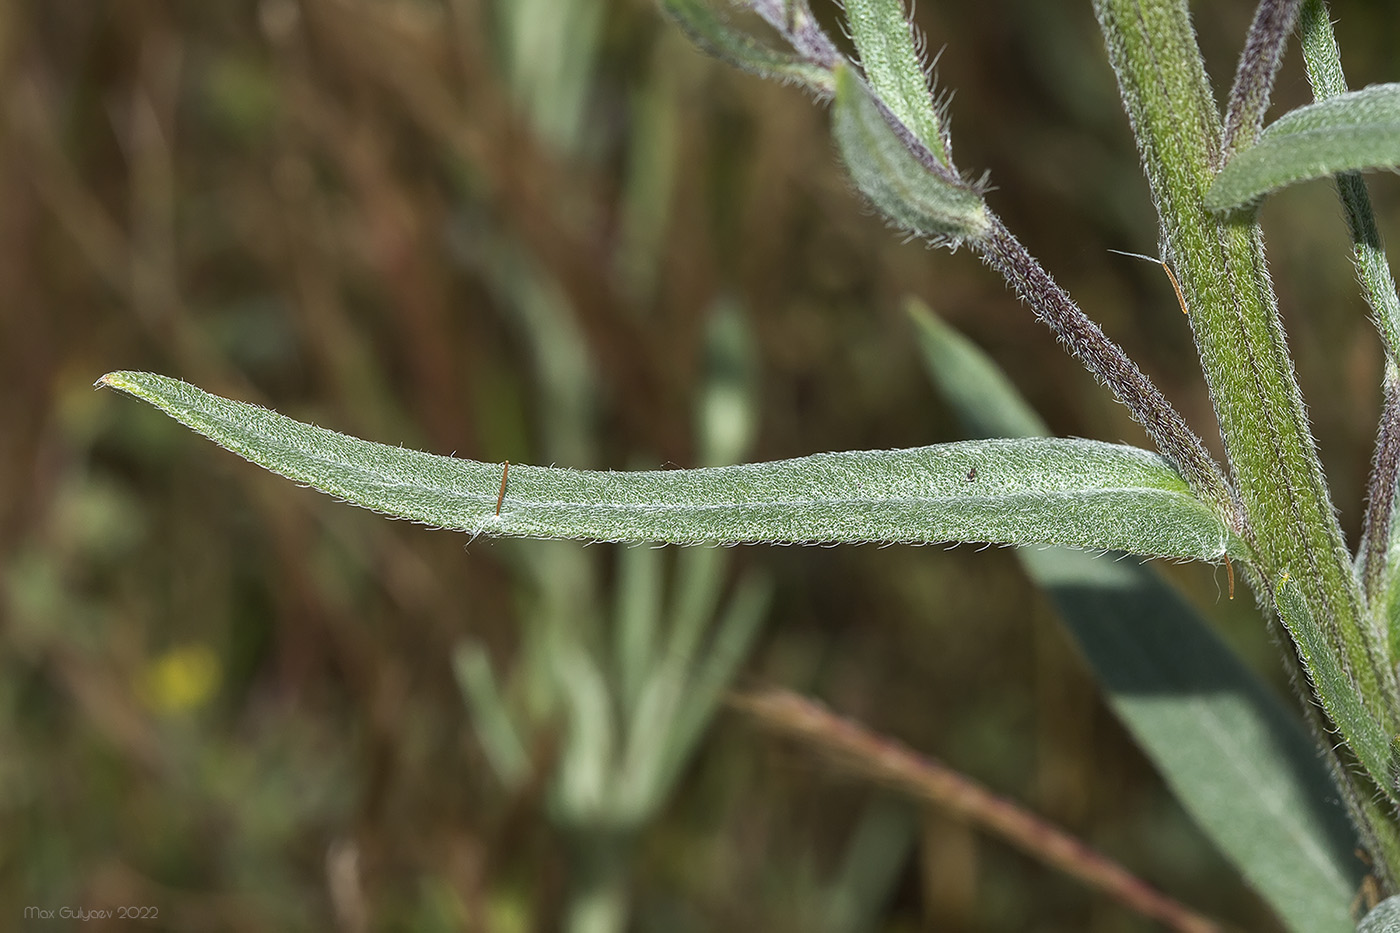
[(116, 380), (898, 173)]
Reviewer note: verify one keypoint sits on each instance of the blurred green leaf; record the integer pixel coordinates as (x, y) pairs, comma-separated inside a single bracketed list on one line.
[(1234, 757), (583, 789), (636, 616), (885, 40), (490, 714), (725, 414), (914, 195), (875, 857), (1065, 491), (714, 671), (981, 396), (550, 52), (1240, 764), (1351, 132)]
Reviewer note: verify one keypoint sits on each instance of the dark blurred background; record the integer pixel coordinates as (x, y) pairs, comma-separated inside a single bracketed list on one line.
[(508, 230)]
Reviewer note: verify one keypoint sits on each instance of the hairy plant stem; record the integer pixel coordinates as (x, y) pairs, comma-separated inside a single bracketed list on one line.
[(1248, 369), (1107, 361), (1380, 507), (794, 21), (1254, 78)]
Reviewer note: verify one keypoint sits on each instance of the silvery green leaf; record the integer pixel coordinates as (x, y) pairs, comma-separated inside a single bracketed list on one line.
[(1383, 918), (1078, 493), (885, 40), (1350, 132), (897, 172)]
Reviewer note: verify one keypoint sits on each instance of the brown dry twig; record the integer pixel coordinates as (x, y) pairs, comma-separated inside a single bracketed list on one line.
[(878, 758)]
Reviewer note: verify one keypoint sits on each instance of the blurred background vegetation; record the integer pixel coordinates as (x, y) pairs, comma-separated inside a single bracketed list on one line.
[(549, 231)]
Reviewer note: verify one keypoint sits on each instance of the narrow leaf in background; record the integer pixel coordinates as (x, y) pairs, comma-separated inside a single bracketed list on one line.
[(1241, 765)]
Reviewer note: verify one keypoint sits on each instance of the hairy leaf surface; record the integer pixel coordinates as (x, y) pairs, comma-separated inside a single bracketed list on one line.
[(1350, 132), (922, 197), (708, 30), (885, 40), (1079, 493)]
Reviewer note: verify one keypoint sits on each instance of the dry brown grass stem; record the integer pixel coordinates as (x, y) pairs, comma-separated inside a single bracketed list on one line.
[(882, 760)]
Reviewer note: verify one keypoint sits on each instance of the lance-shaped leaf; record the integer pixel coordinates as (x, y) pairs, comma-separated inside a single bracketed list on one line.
[(1350, 132), (704, 26), (1241, 765), (977, 391), (897, 172), (1078, 493), (885, 40)]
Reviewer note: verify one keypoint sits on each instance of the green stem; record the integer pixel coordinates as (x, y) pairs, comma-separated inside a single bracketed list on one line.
[(1235, 321), (1380, 510)]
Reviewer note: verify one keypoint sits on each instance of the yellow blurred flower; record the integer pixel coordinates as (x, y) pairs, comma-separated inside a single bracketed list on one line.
[(179, 680)]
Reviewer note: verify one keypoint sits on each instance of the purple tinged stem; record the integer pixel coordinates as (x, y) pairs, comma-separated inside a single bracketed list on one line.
[(1380, 494), (793, 20), (1053, 306), (1254, 77)]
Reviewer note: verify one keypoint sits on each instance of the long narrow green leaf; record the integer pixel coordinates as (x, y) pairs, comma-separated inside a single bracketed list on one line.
[(1240, 764), (921, 197), (635, 620), (735, 630), (1079, 493), (858, 894), (499, 738), (1350, 132), (885, 40)]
